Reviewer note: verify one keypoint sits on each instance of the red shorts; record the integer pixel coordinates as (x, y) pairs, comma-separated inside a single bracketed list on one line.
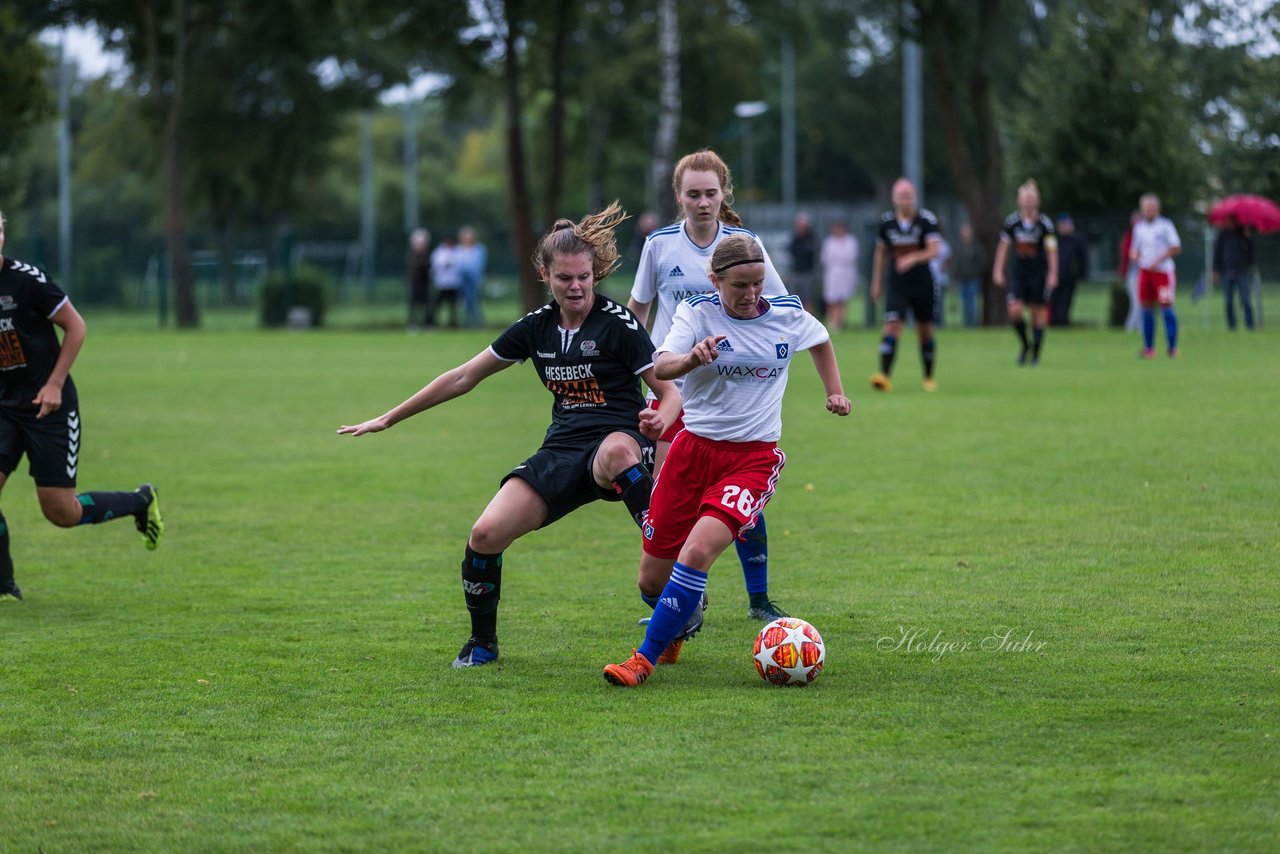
[(729, 481), (1155, 287), (669, 435)]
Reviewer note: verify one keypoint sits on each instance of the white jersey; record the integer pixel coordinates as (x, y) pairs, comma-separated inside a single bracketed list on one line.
[(1153, 239), (738, 397), (674, 268)]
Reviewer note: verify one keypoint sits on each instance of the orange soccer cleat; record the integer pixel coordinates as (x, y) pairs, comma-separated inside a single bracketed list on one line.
[(629, 673)]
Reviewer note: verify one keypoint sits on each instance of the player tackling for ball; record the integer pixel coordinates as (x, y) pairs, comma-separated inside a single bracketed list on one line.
[(734, 349), (40, 412), (590, 353)]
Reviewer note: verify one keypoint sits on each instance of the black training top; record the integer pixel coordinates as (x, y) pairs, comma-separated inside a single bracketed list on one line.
[(593, 371), (902, 241), (1030, 258), (29, 344)]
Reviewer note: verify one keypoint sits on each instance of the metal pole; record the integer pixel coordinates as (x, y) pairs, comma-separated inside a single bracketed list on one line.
[(912, 108), (789, 125), (64, 165), (366, 205), (410, 167)]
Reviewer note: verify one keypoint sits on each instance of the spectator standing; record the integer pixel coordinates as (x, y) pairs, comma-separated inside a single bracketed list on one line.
[(970, 263), (1232, 265), (804, 254), (839, 272), (444, 267), (1073, 265), (940, 265), (419, 264), (1129, 274), (471, 257)]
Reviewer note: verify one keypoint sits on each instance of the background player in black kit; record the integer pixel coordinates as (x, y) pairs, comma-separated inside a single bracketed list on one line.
[(40, 412), (1035, 268), (909, 238), (590, 353)]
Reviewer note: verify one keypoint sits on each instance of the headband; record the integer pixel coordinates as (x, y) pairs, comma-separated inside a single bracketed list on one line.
[(721, 269)]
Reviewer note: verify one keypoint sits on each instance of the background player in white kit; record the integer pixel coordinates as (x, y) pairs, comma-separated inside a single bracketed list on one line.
[(1154, 245), (673, 267), (734, 349)]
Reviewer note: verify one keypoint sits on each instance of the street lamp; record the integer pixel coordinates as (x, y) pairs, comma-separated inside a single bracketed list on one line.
[(746, 111)]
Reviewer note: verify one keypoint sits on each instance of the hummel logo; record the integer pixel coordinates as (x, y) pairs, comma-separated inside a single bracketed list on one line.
[(621, 311), (34, 272), (675, 271), (724, 347), (542, 355), (671, 602)]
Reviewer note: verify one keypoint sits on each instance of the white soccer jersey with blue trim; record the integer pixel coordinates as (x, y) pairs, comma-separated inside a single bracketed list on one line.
[(738, 397), (674, 268)]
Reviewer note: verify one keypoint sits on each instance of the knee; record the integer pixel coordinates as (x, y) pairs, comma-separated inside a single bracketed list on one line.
[(615, 457), (63, 515), (487, 537)]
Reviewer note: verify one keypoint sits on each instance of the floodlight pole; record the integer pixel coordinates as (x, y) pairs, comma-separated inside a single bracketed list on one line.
[(789, 125), (366, 204), (410, 166), (64, 165), (912, 109)]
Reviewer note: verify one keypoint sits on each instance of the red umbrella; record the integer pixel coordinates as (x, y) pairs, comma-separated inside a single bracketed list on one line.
[(1256, 212)]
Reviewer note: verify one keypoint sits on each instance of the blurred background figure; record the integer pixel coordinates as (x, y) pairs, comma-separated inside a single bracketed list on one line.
[(645, 225), (839, 272), (470, 257), (1129, 274), (1073, 265), (448, 278), (970, 264), (419, 273), (940, 265), (804, 254), (1232, 266)]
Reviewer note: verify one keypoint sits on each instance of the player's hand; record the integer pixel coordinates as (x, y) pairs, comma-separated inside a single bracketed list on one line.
[(373, 425), (651, 424), (704, 352), (875, 292), (1051, 282), (997, 278), (903, 264), (49, 399), (839, 404)]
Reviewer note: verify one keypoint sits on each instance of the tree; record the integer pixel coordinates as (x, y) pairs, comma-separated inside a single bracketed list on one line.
[(25, 99)]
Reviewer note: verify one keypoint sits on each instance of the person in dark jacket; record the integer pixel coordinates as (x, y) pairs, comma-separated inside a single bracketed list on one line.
[(1073, 265), (1232, 265)]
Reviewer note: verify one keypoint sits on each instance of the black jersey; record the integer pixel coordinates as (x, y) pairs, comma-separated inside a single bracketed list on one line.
[(901, 240), (593, 371), (1030, 242), (29, 344)]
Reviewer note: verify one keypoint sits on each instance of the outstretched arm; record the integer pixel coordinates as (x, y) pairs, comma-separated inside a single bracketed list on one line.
[(824, 359), (447, 386), (669, 366)]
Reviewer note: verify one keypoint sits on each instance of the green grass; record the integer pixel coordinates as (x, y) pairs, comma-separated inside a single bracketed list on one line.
[(276, 675)]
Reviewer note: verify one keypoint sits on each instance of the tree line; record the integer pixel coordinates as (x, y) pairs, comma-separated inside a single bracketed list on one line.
[(237, 116)]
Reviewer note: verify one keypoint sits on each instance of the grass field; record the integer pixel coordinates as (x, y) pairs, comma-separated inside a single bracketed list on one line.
[(276, 676)]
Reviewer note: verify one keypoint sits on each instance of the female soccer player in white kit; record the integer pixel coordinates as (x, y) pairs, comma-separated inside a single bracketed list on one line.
[(673, 267), (734, 349)]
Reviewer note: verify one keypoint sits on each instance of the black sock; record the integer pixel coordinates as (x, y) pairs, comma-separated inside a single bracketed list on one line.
[(481, 585), (6, 562), (105, 506), (1037, 338), (758, 600), (888, 349), (1020, 327), (928, 350), (635, 486)]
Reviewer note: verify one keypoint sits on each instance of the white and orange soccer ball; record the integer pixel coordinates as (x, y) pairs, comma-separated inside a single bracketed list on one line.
[(789, 652)]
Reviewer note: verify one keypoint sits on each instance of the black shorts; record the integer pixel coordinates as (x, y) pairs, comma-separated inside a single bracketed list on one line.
[(561, 474), (1028, 289), (52, 443), (918, 299)]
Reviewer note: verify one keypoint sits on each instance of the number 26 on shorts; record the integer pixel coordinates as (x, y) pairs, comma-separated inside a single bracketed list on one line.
[(742, 499)]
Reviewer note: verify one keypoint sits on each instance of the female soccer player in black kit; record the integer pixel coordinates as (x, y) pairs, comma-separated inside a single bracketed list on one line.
[(590, 353), (40, 412)]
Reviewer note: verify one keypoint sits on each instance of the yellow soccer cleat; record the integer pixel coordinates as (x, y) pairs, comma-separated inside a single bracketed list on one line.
[(881, 382)]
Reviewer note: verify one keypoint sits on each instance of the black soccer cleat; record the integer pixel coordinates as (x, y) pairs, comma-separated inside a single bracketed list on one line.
[(768, 612), (694, 625), (11, 594), (476, 653)]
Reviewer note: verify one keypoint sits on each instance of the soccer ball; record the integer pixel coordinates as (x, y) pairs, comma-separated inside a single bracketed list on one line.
[(789, 651)]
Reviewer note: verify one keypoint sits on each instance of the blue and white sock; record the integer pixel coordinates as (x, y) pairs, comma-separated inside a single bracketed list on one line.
[(753, 551), (676, 605)]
